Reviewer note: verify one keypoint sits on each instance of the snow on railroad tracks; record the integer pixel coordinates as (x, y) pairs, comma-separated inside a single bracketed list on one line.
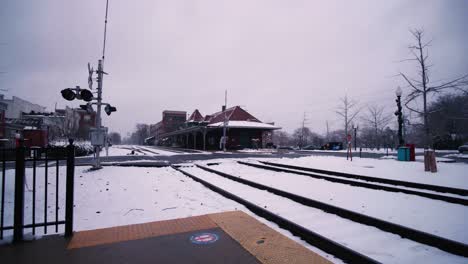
[(449, 174), (115, 196), (370, 241), (431, 216)]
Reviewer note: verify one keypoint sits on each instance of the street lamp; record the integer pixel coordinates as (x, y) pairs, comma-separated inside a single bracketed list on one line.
[(398, 92), (355, 127), (398, 113)]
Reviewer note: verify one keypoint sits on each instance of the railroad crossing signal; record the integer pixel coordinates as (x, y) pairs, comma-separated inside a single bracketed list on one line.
[(86, 95), (71, 94), (83, 94), (109, 109), (90, 76), (68, 94), (87, 107)]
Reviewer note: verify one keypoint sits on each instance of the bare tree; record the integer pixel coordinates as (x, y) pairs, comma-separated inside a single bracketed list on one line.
[(377, 119), (348, 110), (422, 87), (281, 138), (115, 138), (328, 131)]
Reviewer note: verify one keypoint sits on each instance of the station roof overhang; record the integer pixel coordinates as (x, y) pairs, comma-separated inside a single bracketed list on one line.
[(220, 125), (245, 125)]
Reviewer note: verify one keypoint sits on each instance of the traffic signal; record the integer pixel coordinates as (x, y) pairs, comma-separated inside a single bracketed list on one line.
[(109, 109), (68, 94), (87, 107), (86, 95)]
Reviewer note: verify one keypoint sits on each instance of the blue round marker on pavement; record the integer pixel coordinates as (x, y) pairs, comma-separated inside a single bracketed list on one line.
[(204, 238)]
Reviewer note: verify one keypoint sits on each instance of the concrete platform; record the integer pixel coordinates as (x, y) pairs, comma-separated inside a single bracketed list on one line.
[(229, 237)]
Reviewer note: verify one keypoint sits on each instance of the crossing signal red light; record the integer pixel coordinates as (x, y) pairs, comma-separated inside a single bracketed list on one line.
[(86, 95), (68, 94), (87, 107), (109, 109)]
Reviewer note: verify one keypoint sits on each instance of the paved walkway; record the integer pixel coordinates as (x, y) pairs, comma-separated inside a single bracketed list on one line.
[(230, 237)]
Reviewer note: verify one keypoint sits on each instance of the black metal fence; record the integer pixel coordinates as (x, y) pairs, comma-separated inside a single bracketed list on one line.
[(34, 191)]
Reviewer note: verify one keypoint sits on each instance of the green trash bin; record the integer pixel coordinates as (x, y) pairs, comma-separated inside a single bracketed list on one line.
[(403, 154)]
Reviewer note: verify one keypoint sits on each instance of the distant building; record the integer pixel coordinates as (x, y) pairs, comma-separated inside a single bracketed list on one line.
[(198, 132), (13, 122), (171, 121), (16, 106), (3, 108), (52, 123), (78, 122)]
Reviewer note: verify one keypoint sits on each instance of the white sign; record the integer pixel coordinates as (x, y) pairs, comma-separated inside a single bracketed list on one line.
[(90, 76), (98, 136)]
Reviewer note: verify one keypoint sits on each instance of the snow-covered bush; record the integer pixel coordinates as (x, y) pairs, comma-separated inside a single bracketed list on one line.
[(82, 147)]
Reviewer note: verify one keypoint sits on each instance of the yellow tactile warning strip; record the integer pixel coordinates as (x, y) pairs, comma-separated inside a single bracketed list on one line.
[(267, 245), (139, 231)]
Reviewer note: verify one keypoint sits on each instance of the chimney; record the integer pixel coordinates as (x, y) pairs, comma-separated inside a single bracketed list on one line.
[(223, 108)]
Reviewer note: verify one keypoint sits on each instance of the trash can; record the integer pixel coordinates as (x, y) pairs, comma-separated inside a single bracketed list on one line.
[(412, 152), (403, 154)]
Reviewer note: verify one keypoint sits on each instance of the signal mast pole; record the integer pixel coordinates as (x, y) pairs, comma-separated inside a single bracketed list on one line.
[(225, 121), (100, 72)]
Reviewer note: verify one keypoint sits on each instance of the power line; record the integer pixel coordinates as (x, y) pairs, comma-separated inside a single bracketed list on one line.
[(105, 32)]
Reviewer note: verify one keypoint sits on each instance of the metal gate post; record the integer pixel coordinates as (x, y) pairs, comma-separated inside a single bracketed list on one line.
[(69, 189), (18, 221)]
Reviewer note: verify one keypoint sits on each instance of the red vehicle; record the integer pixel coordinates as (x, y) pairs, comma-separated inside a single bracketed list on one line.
[(35, 138)]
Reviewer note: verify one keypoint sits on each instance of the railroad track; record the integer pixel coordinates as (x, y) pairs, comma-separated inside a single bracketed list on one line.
[(429, 187), (319, 241), (315, 239), (296, 170)]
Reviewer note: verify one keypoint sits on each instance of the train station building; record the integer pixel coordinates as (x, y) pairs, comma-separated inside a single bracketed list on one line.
[(243, 130)]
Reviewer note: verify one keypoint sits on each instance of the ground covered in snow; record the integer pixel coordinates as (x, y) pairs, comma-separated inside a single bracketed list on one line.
[(449, 174), (127, 195), (380, 150), (457, 155), (117, 196), (447, 219), (379, 245), (134, 150)]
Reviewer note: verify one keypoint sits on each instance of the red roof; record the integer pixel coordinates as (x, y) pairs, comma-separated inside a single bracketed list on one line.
[(195, 116), (235, 113)]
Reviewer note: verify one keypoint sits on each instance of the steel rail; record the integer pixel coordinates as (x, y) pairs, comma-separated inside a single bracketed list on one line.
[(434, 196), (445, 244), (429, 187), (317, 240)]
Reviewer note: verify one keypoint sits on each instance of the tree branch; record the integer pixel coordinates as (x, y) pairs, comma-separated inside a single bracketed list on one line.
[(409, 82)]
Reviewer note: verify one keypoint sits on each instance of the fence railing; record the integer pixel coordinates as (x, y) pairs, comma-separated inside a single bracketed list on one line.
[(43, 168)]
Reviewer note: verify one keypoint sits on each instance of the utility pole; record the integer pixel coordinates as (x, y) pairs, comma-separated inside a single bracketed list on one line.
[(355, 127), (301, 142), (98, 133), (328, 132), (301, 139), (225, 122), (399, 114), (100, 73)]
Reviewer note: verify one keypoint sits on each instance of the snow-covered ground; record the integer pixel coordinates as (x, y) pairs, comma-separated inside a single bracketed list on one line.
[(420, 158), (117, 196), (262, 151), (382, 246), (457, 155), (126, 150), (447, 220), (126, 195), (380, 151), (449, 174)]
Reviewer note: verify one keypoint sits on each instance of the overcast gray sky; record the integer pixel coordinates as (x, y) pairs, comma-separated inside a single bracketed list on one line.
[(275, 58)]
